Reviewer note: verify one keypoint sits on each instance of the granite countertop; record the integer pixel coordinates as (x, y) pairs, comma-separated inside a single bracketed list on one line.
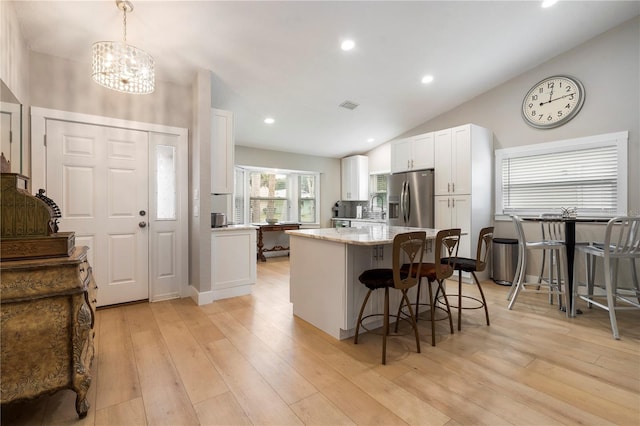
[(366, 236), (233, 228), (364, 219)]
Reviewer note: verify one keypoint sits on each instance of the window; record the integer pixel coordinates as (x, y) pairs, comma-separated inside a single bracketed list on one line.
[(307, 198), (587, 173), (282, 195), (378, 193)]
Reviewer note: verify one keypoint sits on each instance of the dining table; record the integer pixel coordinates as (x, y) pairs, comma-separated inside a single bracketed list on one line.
[(570, 243)]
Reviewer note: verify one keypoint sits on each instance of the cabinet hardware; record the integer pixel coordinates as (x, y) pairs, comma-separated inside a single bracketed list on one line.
[(453, 187)]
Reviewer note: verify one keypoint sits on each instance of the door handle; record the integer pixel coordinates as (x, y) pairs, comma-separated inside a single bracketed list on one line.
[(408, 200), (142, 224)]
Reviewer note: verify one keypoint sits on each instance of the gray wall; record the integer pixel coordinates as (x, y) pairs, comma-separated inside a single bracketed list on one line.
[(66, 85), (609, 68)]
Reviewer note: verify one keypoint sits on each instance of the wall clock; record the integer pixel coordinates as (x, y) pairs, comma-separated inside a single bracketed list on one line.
[(553, 101)]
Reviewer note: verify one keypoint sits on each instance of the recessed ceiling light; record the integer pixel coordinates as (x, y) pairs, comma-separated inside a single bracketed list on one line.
[(269, 120), (347, 45), (548, 3), (427, 79), (371, 140)]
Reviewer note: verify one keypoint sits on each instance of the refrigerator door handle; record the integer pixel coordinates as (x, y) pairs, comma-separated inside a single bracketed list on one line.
[(408, 201), (405, 203), (404, 216)]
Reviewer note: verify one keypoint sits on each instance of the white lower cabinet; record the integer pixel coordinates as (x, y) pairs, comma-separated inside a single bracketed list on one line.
[(455, 212), (233, 262)]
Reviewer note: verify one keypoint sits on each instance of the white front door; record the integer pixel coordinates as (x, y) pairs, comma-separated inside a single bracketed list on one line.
[(98, 176)]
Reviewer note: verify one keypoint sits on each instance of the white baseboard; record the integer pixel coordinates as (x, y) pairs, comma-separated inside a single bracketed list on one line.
[(206, 297)]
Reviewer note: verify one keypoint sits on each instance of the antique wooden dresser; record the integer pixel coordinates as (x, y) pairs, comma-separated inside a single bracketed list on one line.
[(48, 301)]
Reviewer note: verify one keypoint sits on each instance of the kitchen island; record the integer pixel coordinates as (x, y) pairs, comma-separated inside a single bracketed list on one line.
[(325, 265)]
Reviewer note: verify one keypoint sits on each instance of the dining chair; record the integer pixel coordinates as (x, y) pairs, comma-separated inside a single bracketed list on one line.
[(552, 229), (446, 247), (472, 266), (621, 242), (520, 283), (408, 249)]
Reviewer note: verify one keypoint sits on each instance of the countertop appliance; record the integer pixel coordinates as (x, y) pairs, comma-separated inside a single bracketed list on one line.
[(218, 220), (411, 199)]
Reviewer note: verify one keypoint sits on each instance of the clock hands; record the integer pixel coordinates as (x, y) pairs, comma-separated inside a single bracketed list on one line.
[(561, 97)]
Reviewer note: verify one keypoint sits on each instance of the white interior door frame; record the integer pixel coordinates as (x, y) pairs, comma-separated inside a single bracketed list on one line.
[(11, 112), (39, 117)]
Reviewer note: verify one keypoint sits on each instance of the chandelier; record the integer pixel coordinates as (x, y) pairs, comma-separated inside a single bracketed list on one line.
[(120, 66)]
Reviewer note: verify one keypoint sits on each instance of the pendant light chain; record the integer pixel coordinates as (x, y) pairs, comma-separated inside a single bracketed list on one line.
[(124, 23)]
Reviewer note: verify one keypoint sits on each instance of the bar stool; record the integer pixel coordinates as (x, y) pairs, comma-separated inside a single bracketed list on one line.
[(621, 241), (519, 282), (406, 246), (552, 230), (446, 248), (464, 264)]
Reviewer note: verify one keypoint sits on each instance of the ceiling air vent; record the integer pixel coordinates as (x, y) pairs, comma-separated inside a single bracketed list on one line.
[(349, 105)]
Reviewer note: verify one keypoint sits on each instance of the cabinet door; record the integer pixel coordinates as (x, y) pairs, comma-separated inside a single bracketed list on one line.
[(442, 212), (355, 178), (461, 160), (233, 262), (348, 167), (461, 218), (400, 155), (222, 145), (423, 152), (442, 154)]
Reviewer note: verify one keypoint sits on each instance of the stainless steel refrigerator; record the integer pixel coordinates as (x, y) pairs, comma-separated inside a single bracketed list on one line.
[(411, 199)]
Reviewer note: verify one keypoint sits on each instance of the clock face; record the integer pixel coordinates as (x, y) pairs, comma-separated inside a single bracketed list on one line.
[(552, 102)]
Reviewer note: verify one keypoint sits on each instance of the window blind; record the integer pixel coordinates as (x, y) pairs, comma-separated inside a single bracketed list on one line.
[(561, 175)]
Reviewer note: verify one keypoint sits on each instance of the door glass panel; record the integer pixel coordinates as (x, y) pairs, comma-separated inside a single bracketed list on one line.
[(166, 182)]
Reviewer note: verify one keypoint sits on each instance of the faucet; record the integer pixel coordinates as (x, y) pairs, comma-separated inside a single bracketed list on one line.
[(379, 197)]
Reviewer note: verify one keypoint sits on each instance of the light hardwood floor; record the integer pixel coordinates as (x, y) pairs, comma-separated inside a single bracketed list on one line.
[(247, 360)]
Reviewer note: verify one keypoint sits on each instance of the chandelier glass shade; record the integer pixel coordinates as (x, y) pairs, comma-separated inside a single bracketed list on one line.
[(122, 67)]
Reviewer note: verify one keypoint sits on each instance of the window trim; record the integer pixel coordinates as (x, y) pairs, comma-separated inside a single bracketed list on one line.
[(617, 139)]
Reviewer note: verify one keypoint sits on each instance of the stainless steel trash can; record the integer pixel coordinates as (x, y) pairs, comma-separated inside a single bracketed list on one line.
[(505, 260)]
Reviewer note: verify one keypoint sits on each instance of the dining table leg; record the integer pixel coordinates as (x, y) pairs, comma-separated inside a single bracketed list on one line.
[(570, 241)]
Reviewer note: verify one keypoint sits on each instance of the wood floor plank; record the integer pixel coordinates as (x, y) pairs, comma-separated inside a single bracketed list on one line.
[(130, 413), (595, 387), (451, 404), (290, 385), (221, 410), (165, 398), (359, 406), (256, 397), (199, 376), (318, 410), (513, 378), (399, 401), (117, 375), (248, 360)]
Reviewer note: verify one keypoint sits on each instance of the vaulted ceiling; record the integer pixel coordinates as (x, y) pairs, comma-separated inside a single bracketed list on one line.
[(283, 59)]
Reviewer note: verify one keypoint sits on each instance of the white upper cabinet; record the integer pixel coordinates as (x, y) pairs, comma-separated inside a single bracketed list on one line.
[(413, 153), (355, 178), (222, 146), (461, 154)]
